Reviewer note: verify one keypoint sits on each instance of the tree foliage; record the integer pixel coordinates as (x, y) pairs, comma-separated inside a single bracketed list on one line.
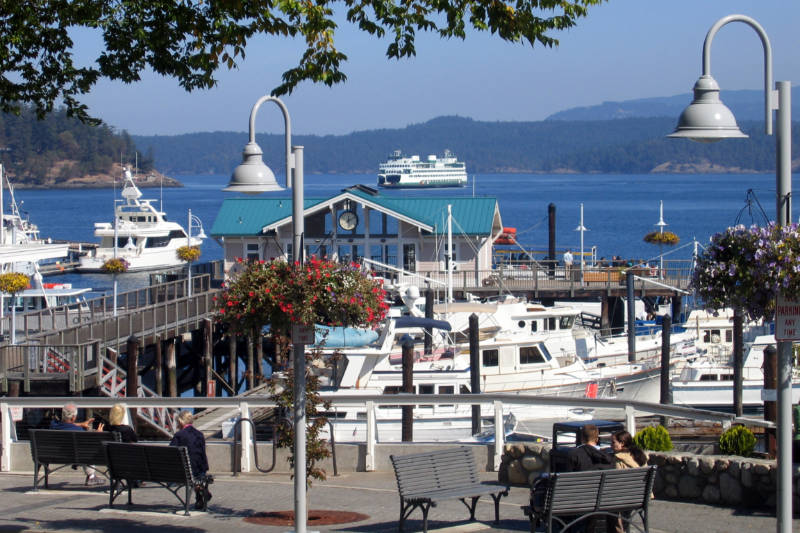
[(191, 40)]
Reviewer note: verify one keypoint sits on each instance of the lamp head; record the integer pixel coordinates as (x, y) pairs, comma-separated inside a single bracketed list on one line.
[(252, 176), (707, 119)]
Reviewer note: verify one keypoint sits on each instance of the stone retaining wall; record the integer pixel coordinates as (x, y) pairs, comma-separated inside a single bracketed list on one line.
[(713, 479)]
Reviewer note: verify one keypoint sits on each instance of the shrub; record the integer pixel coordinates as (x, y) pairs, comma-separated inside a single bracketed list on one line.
[(115, 265), (655, 438), (737, 440)]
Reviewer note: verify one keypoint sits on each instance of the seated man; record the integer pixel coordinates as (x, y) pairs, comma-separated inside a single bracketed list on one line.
[(589, 456), (195, 444), (68, 415)]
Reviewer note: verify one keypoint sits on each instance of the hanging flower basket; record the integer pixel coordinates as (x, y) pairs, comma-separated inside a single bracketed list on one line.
[(657, 237), (115, 265), (13, 282), (188, 254)]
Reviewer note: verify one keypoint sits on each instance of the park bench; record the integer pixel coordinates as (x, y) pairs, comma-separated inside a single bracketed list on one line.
[(130, 464), (67, 448), (571, 497), (423, 479)]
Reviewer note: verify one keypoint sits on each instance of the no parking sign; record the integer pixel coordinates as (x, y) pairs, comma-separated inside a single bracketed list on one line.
[(787, 319)]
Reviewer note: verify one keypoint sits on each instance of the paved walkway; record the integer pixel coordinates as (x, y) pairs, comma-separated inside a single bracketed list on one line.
[(67, 506)]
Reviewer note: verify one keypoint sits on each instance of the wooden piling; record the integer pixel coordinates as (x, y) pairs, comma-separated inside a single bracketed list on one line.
[(208, 347), (771, 407), (172, 377), (475, 370), (233, 363), (132, 386), (738, 361), (159, 365), (250, 370), (407, 427)]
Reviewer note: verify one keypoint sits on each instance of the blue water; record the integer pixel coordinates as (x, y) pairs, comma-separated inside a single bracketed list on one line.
[(618, 209)]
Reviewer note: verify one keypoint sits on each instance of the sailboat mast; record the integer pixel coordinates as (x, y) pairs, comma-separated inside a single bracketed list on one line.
[(449, 253)]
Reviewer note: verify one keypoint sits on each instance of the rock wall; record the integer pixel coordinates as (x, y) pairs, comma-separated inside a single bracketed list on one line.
[(714, 479)]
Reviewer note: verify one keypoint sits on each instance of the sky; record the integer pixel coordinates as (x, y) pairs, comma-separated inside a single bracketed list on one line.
[(623, 49)]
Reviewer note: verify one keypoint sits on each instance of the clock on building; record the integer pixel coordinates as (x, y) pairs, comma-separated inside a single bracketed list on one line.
[(348, 220)]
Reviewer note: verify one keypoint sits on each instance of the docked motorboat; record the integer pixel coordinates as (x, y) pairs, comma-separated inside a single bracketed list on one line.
[(140, 234), (706, 382)]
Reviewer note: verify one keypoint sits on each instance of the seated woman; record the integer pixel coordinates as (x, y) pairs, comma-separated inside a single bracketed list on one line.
[(626, 455), (195, 444), (115, 418)]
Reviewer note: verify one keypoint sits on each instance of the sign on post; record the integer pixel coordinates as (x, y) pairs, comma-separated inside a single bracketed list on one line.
[(302, 334), (787, 319)]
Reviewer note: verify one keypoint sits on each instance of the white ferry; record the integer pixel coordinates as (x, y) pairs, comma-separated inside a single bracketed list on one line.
[(411, 172)]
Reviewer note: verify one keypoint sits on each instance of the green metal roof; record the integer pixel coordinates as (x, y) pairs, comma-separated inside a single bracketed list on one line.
[(246, 216), (471, 216)]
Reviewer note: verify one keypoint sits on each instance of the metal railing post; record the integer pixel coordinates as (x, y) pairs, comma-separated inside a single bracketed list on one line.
[(5, 438), (370, 452), (244, 462), (499, 434)]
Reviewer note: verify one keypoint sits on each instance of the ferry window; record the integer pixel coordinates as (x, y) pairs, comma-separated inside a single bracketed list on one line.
[(490, 357), (530, 355), (252, 251), (565, 322), (534, 325)]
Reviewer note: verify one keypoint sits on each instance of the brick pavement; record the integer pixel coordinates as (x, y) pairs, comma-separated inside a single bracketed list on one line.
[(68, 506)]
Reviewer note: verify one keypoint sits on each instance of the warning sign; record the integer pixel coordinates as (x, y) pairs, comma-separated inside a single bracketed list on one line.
[(787, 319)]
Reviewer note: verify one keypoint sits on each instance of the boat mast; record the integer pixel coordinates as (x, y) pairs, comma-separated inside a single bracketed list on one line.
[(449, 256)]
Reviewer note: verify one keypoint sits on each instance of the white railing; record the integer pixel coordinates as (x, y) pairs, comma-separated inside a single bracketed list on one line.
[(628, 410)]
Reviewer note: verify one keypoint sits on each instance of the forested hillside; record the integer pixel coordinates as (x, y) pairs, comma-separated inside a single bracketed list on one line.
[(635, 145), (53, 151)]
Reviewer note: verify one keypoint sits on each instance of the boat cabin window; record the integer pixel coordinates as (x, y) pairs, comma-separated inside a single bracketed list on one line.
[(521, 323), (447, 389), (726, 377), (565, 322), (463, 389), (534, 325), (709, 377), (531, 355), (728, 335), (122, 242), (426, 389), (490, 357), (711, 336), (551, 323)]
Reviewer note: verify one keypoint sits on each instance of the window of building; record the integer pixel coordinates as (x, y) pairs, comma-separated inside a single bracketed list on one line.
[(252, 252), (410, 257)]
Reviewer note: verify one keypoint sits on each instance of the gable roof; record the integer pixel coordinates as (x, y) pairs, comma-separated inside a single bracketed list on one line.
[(252, 216)]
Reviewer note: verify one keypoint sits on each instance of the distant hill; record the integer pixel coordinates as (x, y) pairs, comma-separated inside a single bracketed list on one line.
[(621, 145), (747, 105)]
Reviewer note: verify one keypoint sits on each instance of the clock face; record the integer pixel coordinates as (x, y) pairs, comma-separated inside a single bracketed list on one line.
[(348, 220)]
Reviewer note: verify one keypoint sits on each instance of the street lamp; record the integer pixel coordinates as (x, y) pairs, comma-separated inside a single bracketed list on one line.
[(194, 223), (581, 228), (661, 225), (708, 120), (252, 176)]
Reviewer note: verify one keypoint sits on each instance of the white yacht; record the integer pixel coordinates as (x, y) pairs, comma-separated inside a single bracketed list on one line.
[(707, 381), (141, 235), (524, 349), (411, 172)]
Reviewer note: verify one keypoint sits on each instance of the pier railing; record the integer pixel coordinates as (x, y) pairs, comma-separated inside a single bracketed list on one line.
[(13, 409), (100, 308)]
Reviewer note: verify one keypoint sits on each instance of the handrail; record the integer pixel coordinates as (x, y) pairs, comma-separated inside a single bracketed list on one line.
[(629, 407)]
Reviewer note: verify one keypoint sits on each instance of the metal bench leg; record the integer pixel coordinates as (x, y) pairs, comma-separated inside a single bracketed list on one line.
[(46, 476), (189, 489), (471, 506), (36, 476), (496, 498), (425, 508)]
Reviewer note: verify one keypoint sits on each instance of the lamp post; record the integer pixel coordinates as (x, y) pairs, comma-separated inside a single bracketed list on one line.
[(581, 228), (252, 176), (708, 120), (661, 225), (194, 222)]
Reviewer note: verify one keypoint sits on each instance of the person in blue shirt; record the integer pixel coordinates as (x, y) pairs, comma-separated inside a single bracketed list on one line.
[(195, 444), (67, 423)]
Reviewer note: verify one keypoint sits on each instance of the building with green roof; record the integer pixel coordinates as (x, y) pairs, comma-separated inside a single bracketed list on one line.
[(361, 223)]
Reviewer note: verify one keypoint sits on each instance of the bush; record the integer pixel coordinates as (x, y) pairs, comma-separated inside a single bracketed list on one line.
[(737, 440), (655, 438)]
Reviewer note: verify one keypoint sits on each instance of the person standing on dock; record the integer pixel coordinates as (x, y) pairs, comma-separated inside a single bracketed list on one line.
[(568, 261)]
